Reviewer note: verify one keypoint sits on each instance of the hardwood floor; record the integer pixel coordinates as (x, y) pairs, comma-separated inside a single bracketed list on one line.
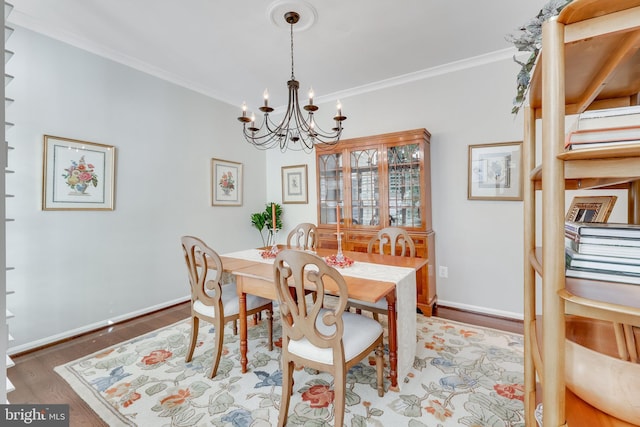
[(36, 382), (502, 323)]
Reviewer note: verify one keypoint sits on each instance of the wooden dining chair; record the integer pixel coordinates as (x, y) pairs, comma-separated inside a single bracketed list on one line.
[(303, 236), (390, 241), (214, 301), (327, 339)]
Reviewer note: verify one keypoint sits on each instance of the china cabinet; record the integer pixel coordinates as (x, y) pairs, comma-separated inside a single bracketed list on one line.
[(374, 182), (589, 60)]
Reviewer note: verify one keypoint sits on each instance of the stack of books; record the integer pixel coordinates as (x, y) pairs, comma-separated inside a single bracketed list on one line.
[(603, 251), (600, 128)]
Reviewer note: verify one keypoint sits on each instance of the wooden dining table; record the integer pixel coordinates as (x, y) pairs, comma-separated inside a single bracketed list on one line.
[(254, 275)]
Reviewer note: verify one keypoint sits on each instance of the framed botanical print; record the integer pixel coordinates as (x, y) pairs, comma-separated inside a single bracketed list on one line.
[(77, 175), (226, 183), (294, 184), (495, 171)]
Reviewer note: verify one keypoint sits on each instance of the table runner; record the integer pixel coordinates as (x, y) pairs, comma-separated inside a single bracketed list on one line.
[(405, 280)]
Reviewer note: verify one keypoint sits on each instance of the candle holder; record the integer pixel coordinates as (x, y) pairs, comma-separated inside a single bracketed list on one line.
[(339, 255), (273, 251), (274, 246), (339, 260)]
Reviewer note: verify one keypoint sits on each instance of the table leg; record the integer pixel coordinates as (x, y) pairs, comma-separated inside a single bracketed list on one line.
[(242, 301), (393, 338)]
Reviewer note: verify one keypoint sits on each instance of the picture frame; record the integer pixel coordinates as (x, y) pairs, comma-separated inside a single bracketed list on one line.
[(495, 171), (294, 184), (226, 183), (590, 209), (77, 175)]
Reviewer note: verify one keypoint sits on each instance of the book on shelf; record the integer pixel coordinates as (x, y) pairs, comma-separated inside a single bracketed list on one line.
[(581, 273), (605, 229), (618, 135), (609, 118), (588, 145), (604, 240), (605, 264), (600, 249), (570, 252)]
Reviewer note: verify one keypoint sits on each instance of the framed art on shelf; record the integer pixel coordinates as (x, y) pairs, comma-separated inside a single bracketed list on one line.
[(495, 171), (294, 184), (226, 183), (590, 209), (77, 175)]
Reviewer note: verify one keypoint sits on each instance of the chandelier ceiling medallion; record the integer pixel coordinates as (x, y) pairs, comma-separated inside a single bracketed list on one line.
[(295, 131)]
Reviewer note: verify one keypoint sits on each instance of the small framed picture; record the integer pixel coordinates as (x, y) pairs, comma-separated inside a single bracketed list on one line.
[(226, 183), (495, 171), (294, 184), (590, 209), (77, 175)]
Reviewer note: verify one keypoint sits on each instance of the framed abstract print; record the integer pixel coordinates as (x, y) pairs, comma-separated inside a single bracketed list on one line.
[(495, 171)]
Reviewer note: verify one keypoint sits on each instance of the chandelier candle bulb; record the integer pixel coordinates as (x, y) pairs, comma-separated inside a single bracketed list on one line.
[(266, 98), (310, 96), (244, 117)]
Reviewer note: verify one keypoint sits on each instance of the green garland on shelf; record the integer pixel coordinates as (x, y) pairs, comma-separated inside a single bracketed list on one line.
[(528, 38)]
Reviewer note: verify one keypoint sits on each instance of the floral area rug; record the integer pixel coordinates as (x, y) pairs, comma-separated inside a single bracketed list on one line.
[(463, 375)]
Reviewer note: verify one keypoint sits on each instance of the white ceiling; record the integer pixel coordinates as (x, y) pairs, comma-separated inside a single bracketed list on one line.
[(231, 50)]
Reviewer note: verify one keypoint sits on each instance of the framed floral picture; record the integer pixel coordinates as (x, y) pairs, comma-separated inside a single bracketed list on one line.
[(226, 183), (294, 184), (495, 171), (77, 175)]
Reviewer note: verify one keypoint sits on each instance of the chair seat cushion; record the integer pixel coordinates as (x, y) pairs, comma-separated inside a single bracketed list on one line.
[(381, 304), (230, 302), (359, 333)]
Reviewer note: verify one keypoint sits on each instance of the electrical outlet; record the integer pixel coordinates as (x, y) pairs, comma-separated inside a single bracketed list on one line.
[(443, 271)]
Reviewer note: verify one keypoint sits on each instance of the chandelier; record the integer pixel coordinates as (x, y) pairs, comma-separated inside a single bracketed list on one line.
[(295, 131)]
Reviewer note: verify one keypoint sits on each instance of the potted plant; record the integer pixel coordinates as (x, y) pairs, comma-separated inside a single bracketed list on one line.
[(263, 219)]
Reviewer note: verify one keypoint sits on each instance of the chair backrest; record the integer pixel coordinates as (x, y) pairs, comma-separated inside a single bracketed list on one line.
[(303, 236), (202, 262), (389, 238), (293, 271)]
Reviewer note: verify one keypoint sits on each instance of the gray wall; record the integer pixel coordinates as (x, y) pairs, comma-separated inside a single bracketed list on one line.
[(76, 270)]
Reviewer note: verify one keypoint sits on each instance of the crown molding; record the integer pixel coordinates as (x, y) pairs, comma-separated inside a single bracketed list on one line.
[(476, 61), (20, 19), (26, 21)]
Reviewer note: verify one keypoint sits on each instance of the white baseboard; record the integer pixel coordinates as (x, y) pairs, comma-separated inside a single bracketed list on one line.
[(88, 328), (484, 310), (92, 327)]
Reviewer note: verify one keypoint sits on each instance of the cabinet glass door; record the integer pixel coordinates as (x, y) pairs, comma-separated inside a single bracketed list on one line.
[(331, 183), (404, 185), (365, 200)]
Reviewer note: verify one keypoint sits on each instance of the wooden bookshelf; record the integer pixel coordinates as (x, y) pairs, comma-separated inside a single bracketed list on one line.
[(589, 60)]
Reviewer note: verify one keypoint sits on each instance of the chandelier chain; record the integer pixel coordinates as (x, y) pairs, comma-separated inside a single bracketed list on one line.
[(292, 76)]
